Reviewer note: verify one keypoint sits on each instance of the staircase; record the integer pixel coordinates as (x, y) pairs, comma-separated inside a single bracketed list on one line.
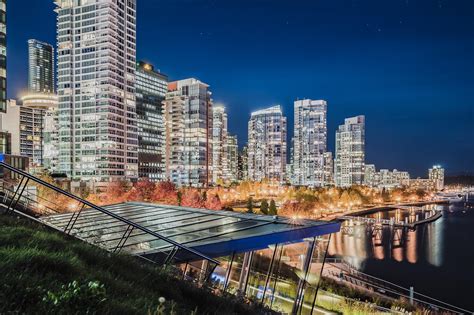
[(30, 196)]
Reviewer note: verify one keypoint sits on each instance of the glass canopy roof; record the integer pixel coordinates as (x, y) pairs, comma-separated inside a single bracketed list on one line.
[(213, 233)]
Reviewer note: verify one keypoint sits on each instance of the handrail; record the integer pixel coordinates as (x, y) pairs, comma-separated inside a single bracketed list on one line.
[(391, 287), (113, 215)]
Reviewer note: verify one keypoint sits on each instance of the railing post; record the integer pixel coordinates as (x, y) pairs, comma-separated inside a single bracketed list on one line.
[(21, 193), (15, 193), (124, 239), (171, 254), (130, 225), (72, 220)]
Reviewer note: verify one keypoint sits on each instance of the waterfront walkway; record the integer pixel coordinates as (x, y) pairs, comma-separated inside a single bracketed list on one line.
[(393, 222)]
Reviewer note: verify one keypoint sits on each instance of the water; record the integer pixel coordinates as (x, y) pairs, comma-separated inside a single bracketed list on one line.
[(437, 259)]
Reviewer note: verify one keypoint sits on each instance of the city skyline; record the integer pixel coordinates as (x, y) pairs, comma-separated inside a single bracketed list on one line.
[(397, 119)]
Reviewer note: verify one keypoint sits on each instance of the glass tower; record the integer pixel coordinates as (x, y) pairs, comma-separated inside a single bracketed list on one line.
[(219, 136), (41, 67), (267, 145), (3, 55), (188, 117), (98, 135), (151, 87), (309, 143), (349, 161)]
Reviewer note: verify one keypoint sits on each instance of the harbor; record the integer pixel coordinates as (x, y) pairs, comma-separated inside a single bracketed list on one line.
[(434, 256)]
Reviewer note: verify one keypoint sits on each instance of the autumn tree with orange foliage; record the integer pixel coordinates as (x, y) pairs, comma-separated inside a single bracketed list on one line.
[(141, 191), (165, 193), (116, 192), (214, 203), (192, 198)]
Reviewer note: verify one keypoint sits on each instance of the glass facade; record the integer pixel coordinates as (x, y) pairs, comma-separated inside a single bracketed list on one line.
[(219, 137), (188, 117), (96, 64), (274, 260), (151, 87), (349, 159), (40, 67), (5, 143), (3, 55), (284, 277), (266, 151), (309, 143), (231, 152)]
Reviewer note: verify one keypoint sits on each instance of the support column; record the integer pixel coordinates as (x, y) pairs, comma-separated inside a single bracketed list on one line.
[(269, 273), (321, 274), (227, 276), (277, 275), (202, 274), (302, 283), (244, 275)]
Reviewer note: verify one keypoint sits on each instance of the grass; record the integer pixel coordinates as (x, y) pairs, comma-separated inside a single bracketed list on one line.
[(357, 302), (45, 272)]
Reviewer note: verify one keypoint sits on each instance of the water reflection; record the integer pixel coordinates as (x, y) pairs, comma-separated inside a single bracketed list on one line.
[(357, 241)]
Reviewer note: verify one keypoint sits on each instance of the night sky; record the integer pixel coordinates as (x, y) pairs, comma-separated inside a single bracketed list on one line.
[(407, 65)]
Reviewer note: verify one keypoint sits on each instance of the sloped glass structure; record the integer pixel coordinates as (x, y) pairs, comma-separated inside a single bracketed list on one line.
[(275, 260)]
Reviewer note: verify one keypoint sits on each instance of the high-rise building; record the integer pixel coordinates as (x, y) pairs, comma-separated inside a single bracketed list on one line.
[(243, 164), (219, 138), (385, 178), (370, 175), (328, 179), (39, 102), (25, 124), (350, 152), (10, 123), (188, 119), (32, 126), (436, 174), (231, 152), (309, 143), (267, 145), (17, 161), (3, 55), (98, 136), (151, 87), (51, 139), (40, 67)]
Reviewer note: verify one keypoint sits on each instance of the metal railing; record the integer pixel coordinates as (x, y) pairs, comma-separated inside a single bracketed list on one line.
[(358, 279), (17, 195)]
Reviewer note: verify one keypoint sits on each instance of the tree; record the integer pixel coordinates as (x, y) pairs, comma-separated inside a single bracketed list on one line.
[(264, 206), (250, 205), (273, 209), (214, 203), (345, 198), (144, 189), (133, 195), (192, 198), (166, 193), (179, 194), (116, 192), (385, 195)]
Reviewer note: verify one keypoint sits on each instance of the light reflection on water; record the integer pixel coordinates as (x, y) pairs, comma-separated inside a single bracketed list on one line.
[(436, 257)]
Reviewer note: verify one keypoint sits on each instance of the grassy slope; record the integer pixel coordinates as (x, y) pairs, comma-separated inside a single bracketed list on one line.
[(35, 260)]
